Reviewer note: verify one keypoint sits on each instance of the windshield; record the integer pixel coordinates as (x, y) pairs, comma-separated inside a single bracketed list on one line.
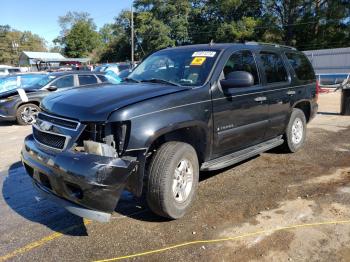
[(185, 67), (23, 81)]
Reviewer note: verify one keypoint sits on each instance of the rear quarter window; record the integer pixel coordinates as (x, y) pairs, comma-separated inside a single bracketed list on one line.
[(87, 80), (301, 65)]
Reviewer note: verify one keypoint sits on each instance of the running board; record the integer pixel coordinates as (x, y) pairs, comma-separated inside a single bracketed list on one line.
[(239, 156)]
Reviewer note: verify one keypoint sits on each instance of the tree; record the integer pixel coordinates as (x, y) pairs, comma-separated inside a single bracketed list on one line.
[(13, 42), (81, 40)]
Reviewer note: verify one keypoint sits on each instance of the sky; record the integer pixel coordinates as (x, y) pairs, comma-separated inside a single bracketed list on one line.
[(41, 16)]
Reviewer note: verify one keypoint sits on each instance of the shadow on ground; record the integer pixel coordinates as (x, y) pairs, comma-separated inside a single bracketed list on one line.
[(21, 196), (7, 123)]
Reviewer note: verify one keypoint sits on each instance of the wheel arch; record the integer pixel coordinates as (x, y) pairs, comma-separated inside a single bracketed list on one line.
[(305, 106)]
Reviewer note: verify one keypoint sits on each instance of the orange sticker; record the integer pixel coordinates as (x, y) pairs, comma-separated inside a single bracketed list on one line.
[(198, 61)]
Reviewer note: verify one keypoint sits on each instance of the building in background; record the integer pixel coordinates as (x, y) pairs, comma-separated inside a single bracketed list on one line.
[(49, 61), (332, 66)]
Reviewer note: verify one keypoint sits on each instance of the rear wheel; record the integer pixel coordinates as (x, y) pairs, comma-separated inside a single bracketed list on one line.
[(172, 179), (27, 113), (296, 131)]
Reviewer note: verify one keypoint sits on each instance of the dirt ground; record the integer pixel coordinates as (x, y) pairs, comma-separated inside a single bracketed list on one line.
[(246, 202)]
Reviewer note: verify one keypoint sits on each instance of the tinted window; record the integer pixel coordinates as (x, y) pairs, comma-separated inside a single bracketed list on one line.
[(87, 80), (242, 61), (273, 67), (102, 78), (14, 70), (123, 67), (63, 82), (301, 66)]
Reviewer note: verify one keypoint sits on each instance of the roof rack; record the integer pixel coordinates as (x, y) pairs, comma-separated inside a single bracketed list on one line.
[(269, 44)]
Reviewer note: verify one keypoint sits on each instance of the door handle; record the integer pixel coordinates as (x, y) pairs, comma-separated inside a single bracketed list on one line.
[(260, 98), (290, 92)]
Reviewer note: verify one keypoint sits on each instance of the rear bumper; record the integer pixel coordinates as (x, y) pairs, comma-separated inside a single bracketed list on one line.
[(86, 185)]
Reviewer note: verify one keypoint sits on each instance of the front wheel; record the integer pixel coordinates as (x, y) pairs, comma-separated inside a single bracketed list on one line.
[(27, 113), (296, 131), (172, 179)]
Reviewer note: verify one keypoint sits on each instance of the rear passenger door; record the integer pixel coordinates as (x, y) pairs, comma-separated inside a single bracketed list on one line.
[(277, 84), (240, 114)]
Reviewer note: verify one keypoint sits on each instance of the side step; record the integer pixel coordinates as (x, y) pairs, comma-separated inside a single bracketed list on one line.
[(239, 156)]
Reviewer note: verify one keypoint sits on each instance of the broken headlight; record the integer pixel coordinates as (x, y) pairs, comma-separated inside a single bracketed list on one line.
[(105, 139)]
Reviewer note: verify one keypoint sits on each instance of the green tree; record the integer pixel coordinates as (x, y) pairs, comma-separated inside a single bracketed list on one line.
[(13, 42), (81, 40)]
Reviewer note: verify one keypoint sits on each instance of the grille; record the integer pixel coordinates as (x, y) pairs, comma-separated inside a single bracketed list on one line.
[(59, 121), (48, 139)]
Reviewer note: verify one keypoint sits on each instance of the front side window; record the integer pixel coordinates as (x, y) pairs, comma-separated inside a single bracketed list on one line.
[(273, 68), (64, 82), (87, 80), (301, 66), (242, 61), (183, 67)]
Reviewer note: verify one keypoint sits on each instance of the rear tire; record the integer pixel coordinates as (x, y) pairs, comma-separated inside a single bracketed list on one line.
[(26, 114), (294, 137), (172, 179)]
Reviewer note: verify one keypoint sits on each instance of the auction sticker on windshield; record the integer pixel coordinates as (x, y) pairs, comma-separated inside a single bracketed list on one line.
[(198, 61), (204, 54)]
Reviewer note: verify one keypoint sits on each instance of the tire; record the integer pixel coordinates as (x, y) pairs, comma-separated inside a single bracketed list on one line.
[(294, 137), (26, 114), (165, 179)]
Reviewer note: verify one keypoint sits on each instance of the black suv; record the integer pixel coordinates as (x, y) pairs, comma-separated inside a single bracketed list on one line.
[(182, 110), (22, 104)]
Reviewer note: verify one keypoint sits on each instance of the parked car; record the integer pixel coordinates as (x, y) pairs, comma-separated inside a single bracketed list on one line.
[(182, 110), (9, 70), (22, 104), (116, 68), (11, 82)]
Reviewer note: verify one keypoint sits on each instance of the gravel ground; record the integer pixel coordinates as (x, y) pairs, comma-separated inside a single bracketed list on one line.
[(267, 192)]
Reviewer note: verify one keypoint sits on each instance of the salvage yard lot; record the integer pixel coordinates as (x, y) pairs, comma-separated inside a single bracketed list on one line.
[(267, 192)]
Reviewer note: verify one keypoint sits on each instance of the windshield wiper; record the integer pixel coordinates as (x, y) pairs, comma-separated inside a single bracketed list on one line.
[(128, 79), (161, 81)]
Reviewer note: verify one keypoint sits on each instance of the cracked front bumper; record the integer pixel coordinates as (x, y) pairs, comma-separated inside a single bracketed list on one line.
[(86, 185)]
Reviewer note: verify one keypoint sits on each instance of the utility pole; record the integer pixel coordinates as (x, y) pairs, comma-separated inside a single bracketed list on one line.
[(132, 36)]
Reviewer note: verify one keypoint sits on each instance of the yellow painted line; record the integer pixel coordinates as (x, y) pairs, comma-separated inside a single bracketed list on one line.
[(41, 242), (210, 241)]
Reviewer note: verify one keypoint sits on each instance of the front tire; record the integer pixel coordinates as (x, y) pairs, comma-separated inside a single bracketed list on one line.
[(294, 137), (26, 114), (172, 179)]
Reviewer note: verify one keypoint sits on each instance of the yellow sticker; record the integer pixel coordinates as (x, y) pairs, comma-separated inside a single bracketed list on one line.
[(198, 61)]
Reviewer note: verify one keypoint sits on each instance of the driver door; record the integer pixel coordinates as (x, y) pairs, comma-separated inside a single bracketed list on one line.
[(241, 113)]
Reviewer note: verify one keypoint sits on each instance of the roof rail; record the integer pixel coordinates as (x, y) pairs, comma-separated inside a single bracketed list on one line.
[(269, 44)]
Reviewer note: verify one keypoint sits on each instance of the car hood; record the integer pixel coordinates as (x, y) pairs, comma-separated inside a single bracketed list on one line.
[(96, 103)]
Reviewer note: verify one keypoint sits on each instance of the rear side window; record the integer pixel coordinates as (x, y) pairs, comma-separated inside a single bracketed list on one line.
[(64, 82), (242, 61), (301, 66), (273, 67), (87, 79)]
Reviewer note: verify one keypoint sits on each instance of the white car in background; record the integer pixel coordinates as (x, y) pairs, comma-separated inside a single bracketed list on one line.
[(8, 70)]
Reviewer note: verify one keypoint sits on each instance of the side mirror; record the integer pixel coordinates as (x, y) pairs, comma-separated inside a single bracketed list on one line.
[(237, 79), (52, 88)]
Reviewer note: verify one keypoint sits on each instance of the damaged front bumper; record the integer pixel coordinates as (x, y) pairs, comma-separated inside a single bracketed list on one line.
[(86, 185)]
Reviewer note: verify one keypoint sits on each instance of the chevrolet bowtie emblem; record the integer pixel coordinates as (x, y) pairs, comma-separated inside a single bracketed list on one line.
[(45, 126)]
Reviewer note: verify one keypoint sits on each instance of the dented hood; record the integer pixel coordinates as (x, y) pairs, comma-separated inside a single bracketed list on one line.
[(96, 103)]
